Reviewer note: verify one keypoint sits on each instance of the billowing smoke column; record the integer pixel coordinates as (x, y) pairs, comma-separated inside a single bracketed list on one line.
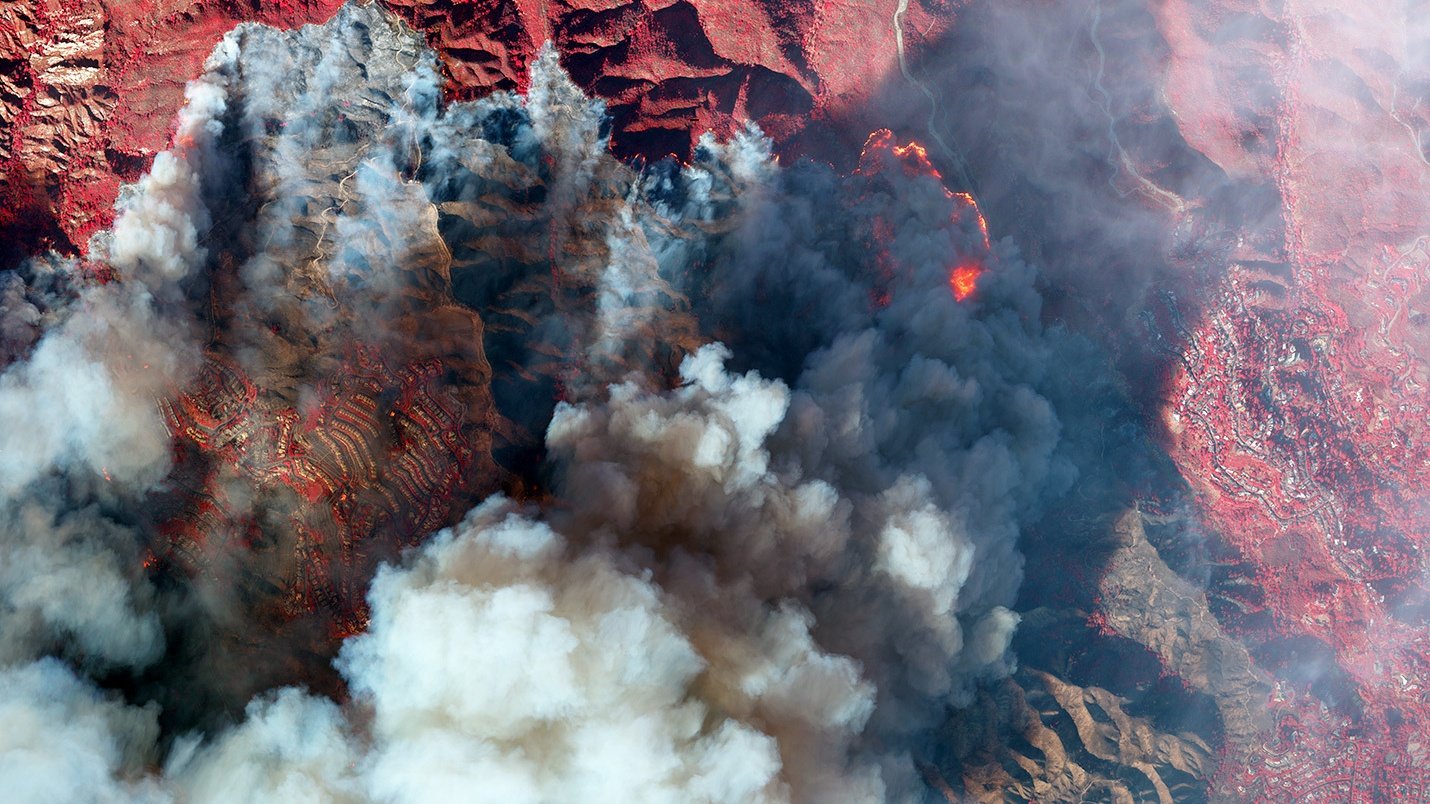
[(82, 441), (82, 436), (764, 575)]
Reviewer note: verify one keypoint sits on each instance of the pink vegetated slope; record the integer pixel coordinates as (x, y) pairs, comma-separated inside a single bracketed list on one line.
[(1301, 411)]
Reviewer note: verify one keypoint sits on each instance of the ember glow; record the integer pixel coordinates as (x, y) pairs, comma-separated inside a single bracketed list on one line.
[(963, 280), (972, 203), (558, 405), (881, 153)]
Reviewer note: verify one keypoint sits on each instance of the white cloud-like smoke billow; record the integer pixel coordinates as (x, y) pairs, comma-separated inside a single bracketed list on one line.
[(660, 652), (79, 402), (66, 741), (763, 584), (83, 396)]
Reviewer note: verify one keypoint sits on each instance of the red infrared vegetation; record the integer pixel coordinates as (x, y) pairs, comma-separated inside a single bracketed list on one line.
[(1300, 408), (1296, 406), (88, 93)]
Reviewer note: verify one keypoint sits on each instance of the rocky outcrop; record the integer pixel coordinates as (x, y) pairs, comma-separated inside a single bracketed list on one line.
[(1049, 740), (1146, 602)]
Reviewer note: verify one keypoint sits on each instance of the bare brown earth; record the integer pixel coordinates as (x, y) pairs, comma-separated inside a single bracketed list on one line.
[(1297, 408)]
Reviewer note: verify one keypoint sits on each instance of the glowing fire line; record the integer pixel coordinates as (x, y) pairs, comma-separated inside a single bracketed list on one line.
[(964, 280)]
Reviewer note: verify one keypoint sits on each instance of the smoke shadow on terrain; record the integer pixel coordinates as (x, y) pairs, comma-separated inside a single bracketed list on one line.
[(1056, 115)]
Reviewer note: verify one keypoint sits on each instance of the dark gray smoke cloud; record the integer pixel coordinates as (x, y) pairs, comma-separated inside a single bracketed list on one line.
[(766, 575), (82, 442), (1142, 153), (83, 436), (1059, 113)]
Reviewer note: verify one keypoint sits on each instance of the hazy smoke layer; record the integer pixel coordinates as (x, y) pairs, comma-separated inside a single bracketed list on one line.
[(82, 441), (82, 432), (763, 577)]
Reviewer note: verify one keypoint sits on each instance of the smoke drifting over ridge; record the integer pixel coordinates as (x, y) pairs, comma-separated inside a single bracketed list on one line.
[(765, 576), (78, 402), (1233, 175)]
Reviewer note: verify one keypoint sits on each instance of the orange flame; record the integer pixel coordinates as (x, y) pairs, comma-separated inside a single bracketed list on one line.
[(964, 280), (880, 151), (972, 203)]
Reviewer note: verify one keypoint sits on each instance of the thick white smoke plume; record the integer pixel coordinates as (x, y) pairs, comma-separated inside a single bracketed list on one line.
[(578, 684), (66, 741), (82, 438), (84, 396), (766, 583), (79, 401)]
